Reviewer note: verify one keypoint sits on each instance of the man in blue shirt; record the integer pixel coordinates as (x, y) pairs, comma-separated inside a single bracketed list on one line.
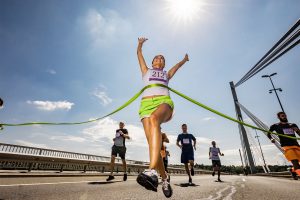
[(187, 143)]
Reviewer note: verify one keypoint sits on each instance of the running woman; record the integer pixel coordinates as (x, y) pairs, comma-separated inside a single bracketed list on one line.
[(119, 148), (156, 108), (213, 154), (187, 143), (290, 146)]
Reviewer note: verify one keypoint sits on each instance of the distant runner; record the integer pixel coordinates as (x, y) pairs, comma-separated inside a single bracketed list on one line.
[(213, 154), (119, 148), (187, 143)]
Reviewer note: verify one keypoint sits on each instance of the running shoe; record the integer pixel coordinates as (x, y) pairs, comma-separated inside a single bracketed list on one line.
[(110, 177), (297, 172), (219, 180), (293, 173), (125, 177), (213, 174), (190, 181), (192, 171), (148, 179), (166, 188)]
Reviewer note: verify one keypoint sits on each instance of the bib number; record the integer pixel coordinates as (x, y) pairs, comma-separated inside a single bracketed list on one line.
[(158, 74), (186, 141), (288, 131)]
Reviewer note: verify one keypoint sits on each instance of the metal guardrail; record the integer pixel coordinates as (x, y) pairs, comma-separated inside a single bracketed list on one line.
[(34, 151), (18, 157)]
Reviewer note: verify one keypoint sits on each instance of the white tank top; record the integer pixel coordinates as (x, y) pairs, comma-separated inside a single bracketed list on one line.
[(154, 76), (214, 153)]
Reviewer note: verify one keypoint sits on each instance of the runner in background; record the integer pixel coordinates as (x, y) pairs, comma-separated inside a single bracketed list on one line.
[(164, 153), (119, 148), (213, 154), (187, 143), (290, 146)]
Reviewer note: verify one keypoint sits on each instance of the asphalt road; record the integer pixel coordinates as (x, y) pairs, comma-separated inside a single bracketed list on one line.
[(204, 188)]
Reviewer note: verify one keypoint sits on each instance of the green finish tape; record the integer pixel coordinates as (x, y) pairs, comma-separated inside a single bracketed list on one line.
[(135, 97)]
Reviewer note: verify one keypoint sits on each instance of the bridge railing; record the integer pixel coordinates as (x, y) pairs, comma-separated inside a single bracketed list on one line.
[(20, 157), (19, 149)]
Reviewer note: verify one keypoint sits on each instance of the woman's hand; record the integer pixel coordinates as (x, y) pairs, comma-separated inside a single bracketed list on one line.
[(142, 40), (186, 57)]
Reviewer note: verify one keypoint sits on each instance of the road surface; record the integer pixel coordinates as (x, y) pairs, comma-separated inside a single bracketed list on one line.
[(204, 188)]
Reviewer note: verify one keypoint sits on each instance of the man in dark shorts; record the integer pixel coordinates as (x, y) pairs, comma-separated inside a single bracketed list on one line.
[(119, 148), (214, 153), (187, 143), (290, 146)]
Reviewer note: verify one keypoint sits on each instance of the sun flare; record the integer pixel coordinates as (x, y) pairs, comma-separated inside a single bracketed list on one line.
[(184, 10)]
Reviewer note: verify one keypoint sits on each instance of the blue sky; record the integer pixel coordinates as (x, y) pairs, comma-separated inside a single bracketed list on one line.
[(69, 61)]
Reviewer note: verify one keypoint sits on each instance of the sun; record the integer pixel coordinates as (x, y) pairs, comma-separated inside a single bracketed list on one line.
[(184, 10)]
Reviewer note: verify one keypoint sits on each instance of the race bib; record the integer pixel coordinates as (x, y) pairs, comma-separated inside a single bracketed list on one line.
[(158, 76), (288, 131), (118, 134), (186, 141)]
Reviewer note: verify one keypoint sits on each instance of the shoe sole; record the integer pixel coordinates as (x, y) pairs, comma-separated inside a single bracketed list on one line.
[(142, 180), (294, 175), (171, 193)]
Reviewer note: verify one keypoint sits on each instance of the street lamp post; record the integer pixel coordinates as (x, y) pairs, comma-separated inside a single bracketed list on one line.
[(274, 89), (261, 152)]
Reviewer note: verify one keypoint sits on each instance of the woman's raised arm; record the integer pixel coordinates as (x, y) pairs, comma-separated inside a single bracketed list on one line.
[(174, 69), (141, 59)]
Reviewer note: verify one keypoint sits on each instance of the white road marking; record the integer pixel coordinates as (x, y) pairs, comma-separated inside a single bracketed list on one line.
[(228, 197), (219, 194), (56, 183)]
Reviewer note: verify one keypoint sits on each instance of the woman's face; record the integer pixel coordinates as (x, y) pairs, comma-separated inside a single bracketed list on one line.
[(158, 62)]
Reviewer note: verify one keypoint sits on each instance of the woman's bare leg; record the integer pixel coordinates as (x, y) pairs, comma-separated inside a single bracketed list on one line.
[(153, 134)]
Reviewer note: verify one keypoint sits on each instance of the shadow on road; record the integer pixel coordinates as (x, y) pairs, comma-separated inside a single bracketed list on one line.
[(187, 185), (220, 181), (103, 182)]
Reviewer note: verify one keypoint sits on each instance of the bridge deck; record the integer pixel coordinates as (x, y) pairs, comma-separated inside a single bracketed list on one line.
[(88, 187)]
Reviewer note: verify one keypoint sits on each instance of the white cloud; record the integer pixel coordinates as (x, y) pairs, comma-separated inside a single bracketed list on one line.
[(104, 130), (52, 105), (100, 93), (104, 28), (51, 71), (203, 140), (30, 144), (208, 118), (68, 138)]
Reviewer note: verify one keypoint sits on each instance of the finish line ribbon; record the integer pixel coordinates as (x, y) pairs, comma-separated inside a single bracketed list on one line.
[(136, 96)]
